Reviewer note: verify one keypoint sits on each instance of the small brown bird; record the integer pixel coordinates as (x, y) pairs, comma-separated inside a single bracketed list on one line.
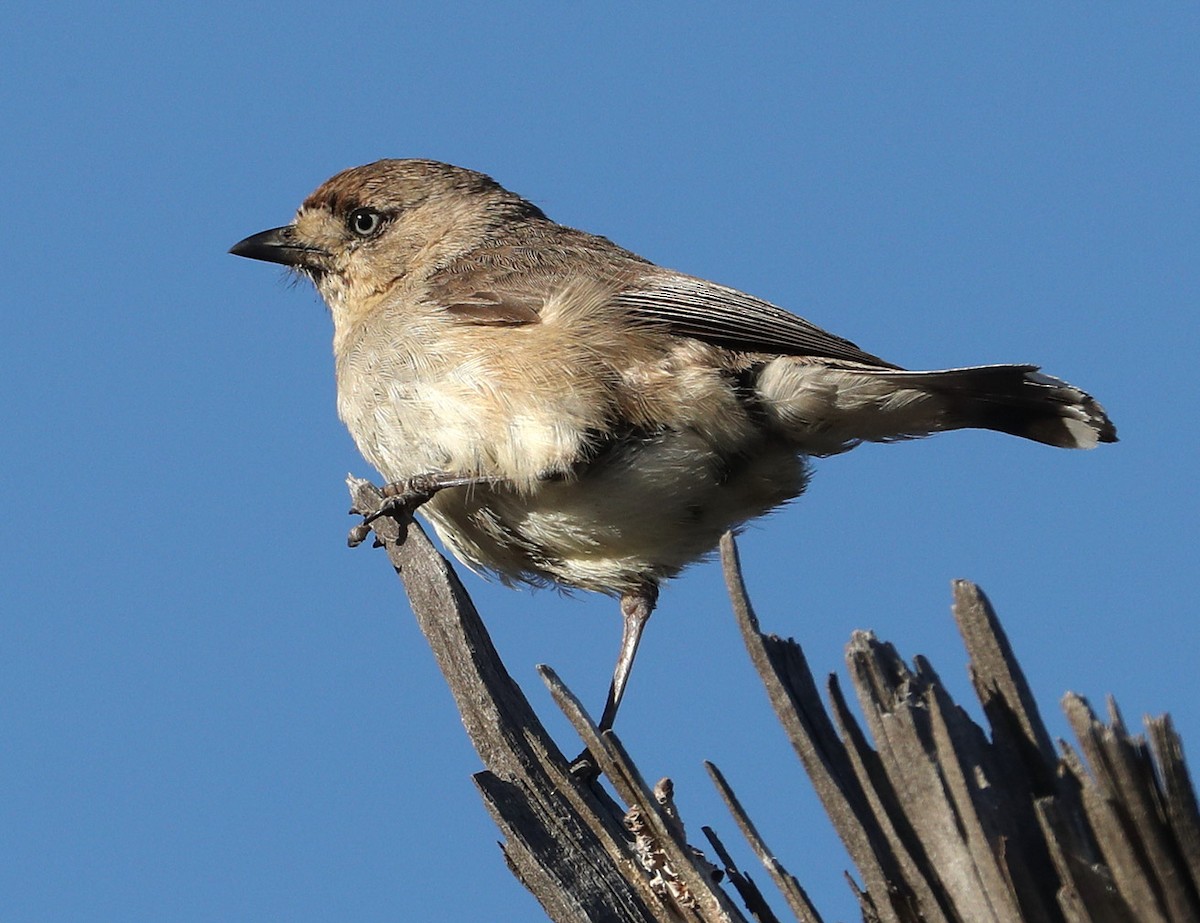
[(569, 413)]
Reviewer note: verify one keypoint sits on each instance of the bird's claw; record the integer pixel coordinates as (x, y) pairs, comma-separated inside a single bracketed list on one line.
[(358, 534), (400, 501)]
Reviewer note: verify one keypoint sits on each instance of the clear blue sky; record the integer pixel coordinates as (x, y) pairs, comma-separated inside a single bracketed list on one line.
[(213, 710)]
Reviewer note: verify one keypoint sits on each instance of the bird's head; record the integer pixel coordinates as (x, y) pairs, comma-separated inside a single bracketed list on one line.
[(368, 228)]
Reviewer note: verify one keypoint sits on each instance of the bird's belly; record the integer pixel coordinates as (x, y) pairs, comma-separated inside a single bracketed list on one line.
[(639, 515)]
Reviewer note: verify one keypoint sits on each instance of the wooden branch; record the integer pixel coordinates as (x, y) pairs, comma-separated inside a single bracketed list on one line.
[(796, 897), (565, 839), (944, 820)]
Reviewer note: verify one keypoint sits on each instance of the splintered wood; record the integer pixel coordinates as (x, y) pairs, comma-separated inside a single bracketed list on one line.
[(944, 820), (947, 822)]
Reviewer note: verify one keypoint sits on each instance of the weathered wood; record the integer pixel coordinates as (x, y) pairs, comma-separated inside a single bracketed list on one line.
[(687, 881), (751, 896), (1181, 810), (565, 839), (972, 825), (796, 896), (1131, 814), (561, 839), (793, 694), (944, 820)]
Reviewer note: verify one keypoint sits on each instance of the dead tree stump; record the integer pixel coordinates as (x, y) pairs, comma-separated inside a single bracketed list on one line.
[(944, 820)]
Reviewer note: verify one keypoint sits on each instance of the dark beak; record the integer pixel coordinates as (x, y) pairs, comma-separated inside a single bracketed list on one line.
[(278, 245)]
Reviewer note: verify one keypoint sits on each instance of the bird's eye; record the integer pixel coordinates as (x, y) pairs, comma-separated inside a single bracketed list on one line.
[(365, 222)]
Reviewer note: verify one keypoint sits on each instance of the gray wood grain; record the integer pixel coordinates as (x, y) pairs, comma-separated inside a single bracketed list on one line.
[(945, 821)]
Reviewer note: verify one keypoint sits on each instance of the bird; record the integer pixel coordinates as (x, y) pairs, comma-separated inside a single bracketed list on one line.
[(566, 412)]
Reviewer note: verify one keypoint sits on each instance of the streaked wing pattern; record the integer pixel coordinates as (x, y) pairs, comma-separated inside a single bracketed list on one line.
[(732, 319)]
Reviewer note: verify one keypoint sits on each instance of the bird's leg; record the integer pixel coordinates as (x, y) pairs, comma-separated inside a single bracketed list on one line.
[(401, 499), (635, 612)]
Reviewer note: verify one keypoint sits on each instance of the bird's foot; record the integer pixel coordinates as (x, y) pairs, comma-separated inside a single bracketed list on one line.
[(398, 500)]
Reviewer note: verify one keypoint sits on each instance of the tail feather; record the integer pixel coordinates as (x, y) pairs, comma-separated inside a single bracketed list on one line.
[(1016, 399)]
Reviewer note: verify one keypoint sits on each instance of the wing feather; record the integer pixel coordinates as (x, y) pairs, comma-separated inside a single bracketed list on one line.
[(515, 294), (494, 309), (732, 319)]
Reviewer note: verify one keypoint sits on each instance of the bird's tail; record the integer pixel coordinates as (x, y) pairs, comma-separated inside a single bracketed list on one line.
[(1016, 399)]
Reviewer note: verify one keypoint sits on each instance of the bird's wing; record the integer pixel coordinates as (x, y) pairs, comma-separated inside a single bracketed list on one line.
[(731, 319), (685, 305)]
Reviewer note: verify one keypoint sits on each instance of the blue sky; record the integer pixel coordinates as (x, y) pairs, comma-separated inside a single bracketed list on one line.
[(212, 709)]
